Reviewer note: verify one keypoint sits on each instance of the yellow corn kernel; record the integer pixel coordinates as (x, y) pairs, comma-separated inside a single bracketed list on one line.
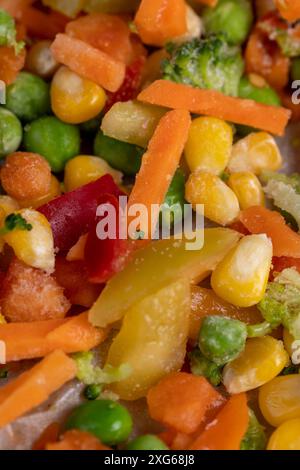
[(261, 361), (247, 189), (220, 203), (242, 276), (8, 204), (286, 437), (84, 169), (74, 99), (70, 8), (256, 152), (34, 247), (209, 145), (54, 191), (279, 400)]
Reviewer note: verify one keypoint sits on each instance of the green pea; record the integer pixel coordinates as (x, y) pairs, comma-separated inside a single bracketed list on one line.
[(7, 29), (147, 442), (232, 17), (55, 140), (295, 69), (122, 156), (28, 97), (92, 392), (265, 95), (222, 339), (10, 132), (107, 420), (175, 199)]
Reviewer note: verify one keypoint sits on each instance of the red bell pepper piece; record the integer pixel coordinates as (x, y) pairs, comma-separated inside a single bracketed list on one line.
[(73, 214), (104, 258)]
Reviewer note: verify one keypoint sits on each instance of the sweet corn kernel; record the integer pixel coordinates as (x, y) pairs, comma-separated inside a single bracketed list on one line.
[(261, 361), (84, 169), (54, 191), (209, 145), (286, 437), (8, 204), (242, 276), (74, 99), (220, 203), (247, 189), (256, 152), (279, 400), (35, 247)]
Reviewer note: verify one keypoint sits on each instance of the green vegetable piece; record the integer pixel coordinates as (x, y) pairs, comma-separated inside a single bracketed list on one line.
[(147, 442), (173, 206), (28, 97), (295, 69), (202, 366), (90, 374), (11, 132), (205, 63), (222, 339), (292, 180), (232, 17), (284, 191), (121, 156), (15, 222), (92, 392), (109, 421), (55, 140), (291, 369), (255, 437), (265, 95)]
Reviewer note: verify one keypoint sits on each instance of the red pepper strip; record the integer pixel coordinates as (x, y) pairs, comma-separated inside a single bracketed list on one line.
[(104, 258), (73, 214)]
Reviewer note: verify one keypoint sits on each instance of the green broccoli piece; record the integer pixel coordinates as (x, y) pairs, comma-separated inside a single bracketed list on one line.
[(8, 32), (209, 63), (200, 365), (89, 374), (285, 37), (255, 437), (15, 222)]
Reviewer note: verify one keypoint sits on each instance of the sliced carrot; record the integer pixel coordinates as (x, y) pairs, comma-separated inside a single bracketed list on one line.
[(181, 401), (160, 163), (258, 219), (10, 64), (109, 33), (35, 386), (213, 103), (289, 9), (89, 62), (76, 253), (50, 434), (228, 429), (158, 21), (77, 440), (37, 339)]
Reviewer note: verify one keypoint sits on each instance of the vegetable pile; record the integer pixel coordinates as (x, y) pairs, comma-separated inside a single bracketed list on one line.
[(158, 103)]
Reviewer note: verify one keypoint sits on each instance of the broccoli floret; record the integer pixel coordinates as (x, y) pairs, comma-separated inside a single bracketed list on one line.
[(202, 366), (255, 437), (285, 195), (205, 63), (89, 374)]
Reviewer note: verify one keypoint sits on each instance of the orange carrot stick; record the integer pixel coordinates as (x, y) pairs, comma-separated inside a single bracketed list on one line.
[(89, 62), (213, 103), (160, 163), (181, 400), (289, 9), (228, 429), (158, 21), (258, 219), (34, 386)]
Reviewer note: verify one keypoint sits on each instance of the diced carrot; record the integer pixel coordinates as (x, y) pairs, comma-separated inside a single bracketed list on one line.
[(76, 253), (213, 103), (35, 386), (10, 64), (181, 400), (287, 102), (228, 429), (258, 219), (42, 25), (289, 9), (181, 441), (77, 440), (109, 33), (37, 339), (50, 434), (89, 62), (158, 21), (160, 163)]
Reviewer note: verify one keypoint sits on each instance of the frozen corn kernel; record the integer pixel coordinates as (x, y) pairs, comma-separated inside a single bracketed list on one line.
[(256, 153), (84, 169), (29, 294), (34, 247), (220, 203), (247, 189), (75, 99), (261, 361), (242, 276), (54, 191), (209, 145), (286, 437), (25, 176)]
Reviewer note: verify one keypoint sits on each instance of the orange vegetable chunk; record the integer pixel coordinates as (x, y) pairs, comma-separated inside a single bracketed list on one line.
[(10, 64), (89, 62), (77, 440), (289, 9)]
